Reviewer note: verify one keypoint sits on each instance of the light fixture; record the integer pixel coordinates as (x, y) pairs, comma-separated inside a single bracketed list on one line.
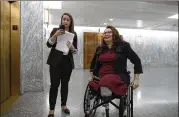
[(46, 15), (105, 23), (111, 19), (173, 16), (53, 4), (139, 23)]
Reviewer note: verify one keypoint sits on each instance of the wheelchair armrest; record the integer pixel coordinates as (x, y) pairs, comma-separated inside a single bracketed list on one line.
[(95, 78)]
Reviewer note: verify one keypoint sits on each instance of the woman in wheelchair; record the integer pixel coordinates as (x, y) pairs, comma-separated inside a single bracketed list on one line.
[(110, 65)]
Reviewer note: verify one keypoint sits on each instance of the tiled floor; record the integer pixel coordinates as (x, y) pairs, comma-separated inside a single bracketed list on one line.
[(157, 96)]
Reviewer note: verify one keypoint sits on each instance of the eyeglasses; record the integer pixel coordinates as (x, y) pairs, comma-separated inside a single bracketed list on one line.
[(108, 32)]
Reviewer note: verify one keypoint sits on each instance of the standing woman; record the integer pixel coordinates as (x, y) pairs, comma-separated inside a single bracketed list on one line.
[(61, 64)]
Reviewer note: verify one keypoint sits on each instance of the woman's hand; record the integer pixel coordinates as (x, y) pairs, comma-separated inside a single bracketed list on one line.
[(71, 47), (59, 32), (91, 76), (69, 44), (135, 82)]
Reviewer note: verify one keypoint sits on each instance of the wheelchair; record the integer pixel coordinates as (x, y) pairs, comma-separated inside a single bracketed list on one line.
[(94, 99)]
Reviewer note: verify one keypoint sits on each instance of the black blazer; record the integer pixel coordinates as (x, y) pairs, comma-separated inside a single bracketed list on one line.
[(56, 55), (124, 52)]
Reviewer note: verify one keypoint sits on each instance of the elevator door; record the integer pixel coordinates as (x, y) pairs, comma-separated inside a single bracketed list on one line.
[(5, 89)]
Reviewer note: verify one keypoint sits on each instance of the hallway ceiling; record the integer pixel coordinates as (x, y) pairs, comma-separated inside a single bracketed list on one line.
[(124, 14)]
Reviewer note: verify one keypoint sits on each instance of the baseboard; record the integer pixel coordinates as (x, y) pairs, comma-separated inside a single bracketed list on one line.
[(6, 105)]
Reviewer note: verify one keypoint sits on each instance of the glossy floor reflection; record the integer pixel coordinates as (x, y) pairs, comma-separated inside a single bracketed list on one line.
[(156, 97)]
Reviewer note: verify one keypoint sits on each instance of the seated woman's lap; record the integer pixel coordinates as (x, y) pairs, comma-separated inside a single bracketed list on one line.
[(113, 82)]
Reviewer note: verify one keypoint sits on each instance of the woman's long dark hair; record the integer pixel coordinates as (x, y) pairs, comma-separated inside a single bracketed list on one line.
[(71, 27), (115, 38)]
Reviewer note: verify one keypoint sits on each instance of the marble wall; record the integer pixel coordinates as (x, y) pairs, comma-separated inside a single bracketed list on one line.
[(155, 48), (31, 46)]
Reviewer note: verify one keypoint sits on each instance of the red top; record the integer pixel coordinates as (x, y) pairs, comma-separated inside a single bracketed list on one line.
[(108, 77), (107, 59)]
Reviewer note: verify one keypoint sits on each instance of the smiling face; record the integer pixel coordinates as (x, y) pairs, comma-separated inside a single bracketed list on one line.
[(66, 21), (110, 37), (107, 35)]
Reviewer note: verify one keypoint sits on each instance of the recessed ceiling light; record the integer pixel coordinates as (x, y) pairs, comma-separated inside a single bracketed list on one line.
[(111, 19), (139, 23), (105, 23), (173, 17)]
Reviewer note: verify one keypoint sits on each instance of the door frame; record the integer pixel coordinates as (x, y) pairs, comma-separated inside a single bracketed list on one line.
[(15, 39)]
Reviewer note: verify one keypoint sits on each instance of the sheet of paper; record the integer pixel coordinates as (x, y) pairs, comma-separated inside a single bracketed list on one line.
[(62, 41)]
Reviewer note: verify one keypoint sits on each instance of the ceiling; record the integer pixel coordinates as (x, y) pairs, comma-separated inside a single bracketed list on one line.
[(124, 14)]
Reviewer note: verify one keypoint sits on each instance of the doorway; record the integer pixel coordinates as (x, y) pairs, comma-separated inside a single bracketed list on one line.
[(9, 50), (91, 41)]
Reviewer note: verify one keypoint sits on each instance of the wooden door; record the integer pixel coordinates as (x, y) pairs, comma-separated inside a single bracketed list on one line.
[(91, 41), (5, 91)]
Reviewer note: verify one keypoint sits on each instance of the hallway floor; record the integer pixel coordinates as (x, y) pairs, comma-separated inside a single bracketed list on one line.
[(157, 96)]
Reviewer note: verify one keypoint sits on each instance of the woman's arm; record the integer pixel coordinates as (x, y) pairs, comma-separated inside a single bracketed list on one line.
[(92, 66), (75, 41), (94, 62), (74, 47), (134, 58), (52, 39)]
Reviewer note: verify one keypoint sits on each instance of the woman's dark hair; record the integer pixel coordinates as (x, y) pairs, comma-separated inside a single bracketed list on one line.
[(71, 27), (115, 37)]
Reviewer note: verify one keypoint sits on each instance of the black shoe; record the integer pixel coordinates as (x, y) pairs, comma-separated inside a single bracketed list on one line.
[(51, 115), (66, 111)]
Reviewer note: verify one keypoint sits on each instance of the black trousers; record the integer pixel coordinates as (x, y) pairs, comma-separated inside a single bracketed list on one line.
[(60, 73)]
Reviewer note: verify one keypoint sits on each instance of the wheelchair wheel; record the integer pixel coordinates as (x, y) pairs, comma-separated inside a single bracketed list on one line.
[(126, 103), (90, 100), (129, 102), (122, 106)]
